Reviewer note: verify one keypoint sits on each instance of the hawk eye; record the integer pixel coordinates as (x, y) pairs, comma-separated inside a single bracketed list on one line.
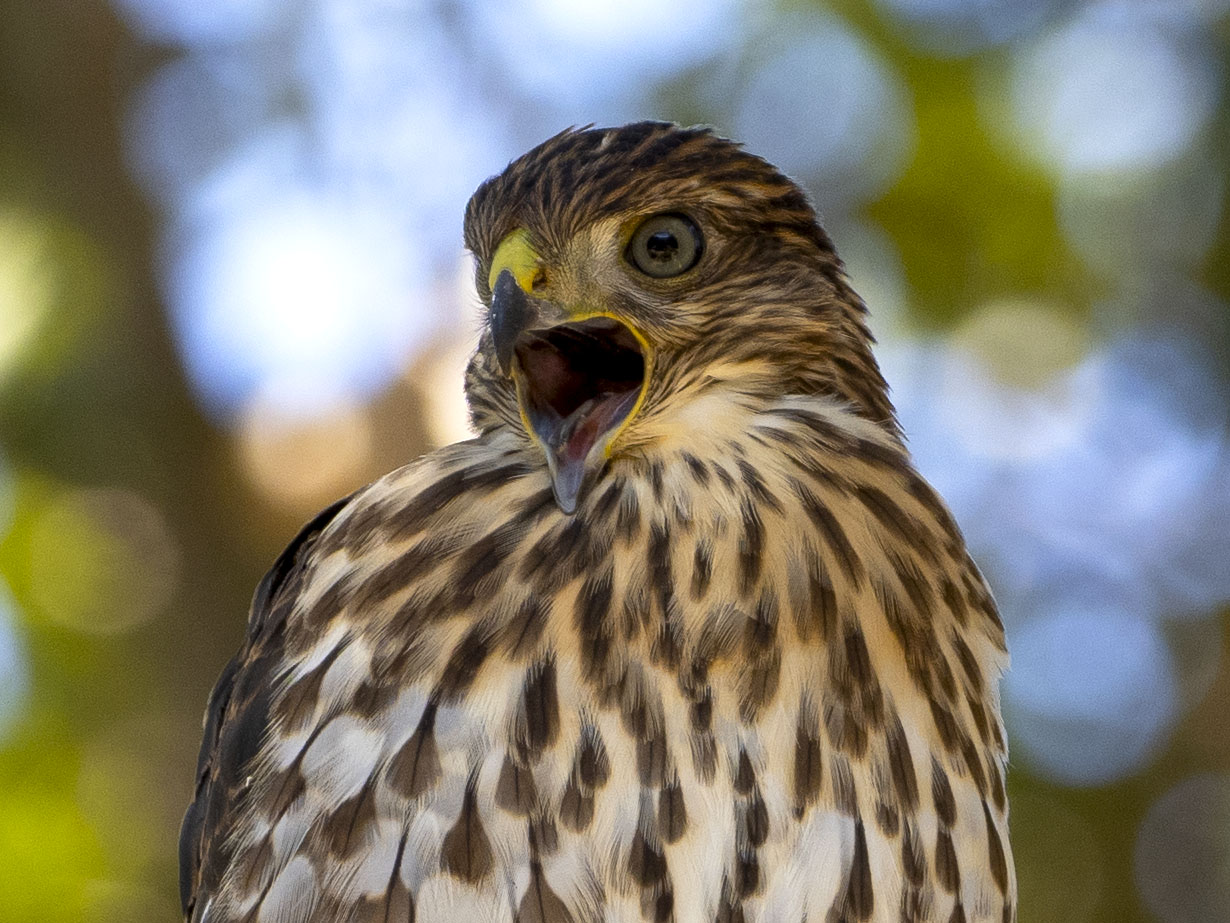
[(665, 246)]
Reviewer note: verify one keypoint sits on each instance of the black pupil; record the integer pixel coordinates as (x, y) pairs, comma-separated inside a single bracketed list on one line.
[(661, 246)]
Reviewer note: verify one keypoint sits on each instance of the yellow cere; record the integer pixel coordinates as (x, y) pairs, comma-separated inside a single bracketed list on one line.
[(515, 254)]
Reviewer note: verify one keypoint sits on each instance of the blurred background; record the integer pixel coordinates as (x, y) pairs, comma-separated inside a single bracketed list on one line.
[(232, 289)]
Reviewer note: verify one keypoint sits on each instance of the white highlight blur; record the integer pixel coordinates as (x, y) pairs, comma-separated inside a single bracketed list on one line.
[(1091, 695), (604, 55), (298, 298), (823, 105), (1111, 92)]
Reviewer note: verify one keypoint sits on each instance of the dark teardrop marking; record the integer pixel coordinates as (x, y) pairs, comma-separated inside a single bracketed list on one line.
[(913, 859), (998, 861), (522, 632), (540, 708), (946, 870), (859, 896), (941, 793), (808, 766), (415, 768), (745, 775), (702, 569), (646, 863), (672, 813), (901, 765), (345, 827), (756, 821), (576, 808), (466, 851), (593, 765), (540, 904), (463, 665), (515, 791)]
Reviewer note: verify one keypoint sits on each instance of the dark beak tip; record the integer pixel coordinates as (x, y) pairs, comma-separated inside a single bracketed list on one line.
[(503, 356), (511, 315), (567, 476), (567, 505)]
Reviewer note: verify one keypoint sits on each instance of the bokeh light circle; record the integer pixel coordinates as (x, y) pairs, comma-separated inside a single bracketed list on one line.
[(586, 56), (850, 122), (955, 27), (299, 299), (1091, 695), (1182, 856), (1165, 216), (118, 548), (295, 462), (1106, 92)]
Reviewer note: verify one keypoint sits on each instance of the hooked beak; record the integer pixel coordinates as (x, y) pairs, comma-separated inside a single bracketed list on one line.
[(578, 379), (512, 313)]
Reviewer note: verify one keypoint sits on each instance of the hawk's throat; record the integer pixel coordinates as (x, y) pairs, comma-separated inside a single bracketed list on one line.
[(578, 383)]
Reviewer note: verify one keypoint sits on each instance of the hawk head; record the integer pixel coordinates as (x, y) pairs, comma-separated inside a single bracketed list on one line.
[(630, 271)]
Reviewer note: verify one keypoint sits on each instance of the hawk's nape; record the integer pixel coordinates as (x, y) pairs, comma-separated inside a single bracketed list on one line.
[(680, 635)]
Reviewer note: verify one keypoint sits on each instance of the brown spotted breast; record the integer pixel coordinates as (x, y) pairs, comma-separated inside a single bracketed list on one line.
[(752, 678)]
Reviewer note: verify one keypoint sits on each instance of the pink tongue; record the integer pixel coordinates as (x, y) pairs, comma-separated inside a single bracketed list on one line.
[(576, 438)]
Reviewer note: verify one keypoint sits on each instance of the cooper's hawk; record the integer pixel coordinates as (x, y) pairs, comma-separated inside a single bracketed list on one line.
[(681, 635)]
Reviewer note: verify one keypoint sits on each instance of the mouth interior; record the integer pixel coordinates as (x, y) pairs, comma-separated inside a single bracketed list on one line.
[(580, 381)]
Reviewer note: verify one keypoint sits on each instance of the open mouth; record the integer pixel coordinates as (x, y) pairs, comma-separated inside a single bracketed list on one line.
[(578, 383)]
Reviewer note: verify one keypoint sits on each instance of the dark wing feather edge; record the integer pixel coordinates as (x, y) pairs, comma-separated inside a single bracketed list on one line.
[(236, 719)]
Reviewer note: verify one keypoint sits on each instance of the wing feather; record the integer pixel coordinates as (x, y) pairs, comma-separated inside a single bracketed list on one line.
[(236, 720)]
